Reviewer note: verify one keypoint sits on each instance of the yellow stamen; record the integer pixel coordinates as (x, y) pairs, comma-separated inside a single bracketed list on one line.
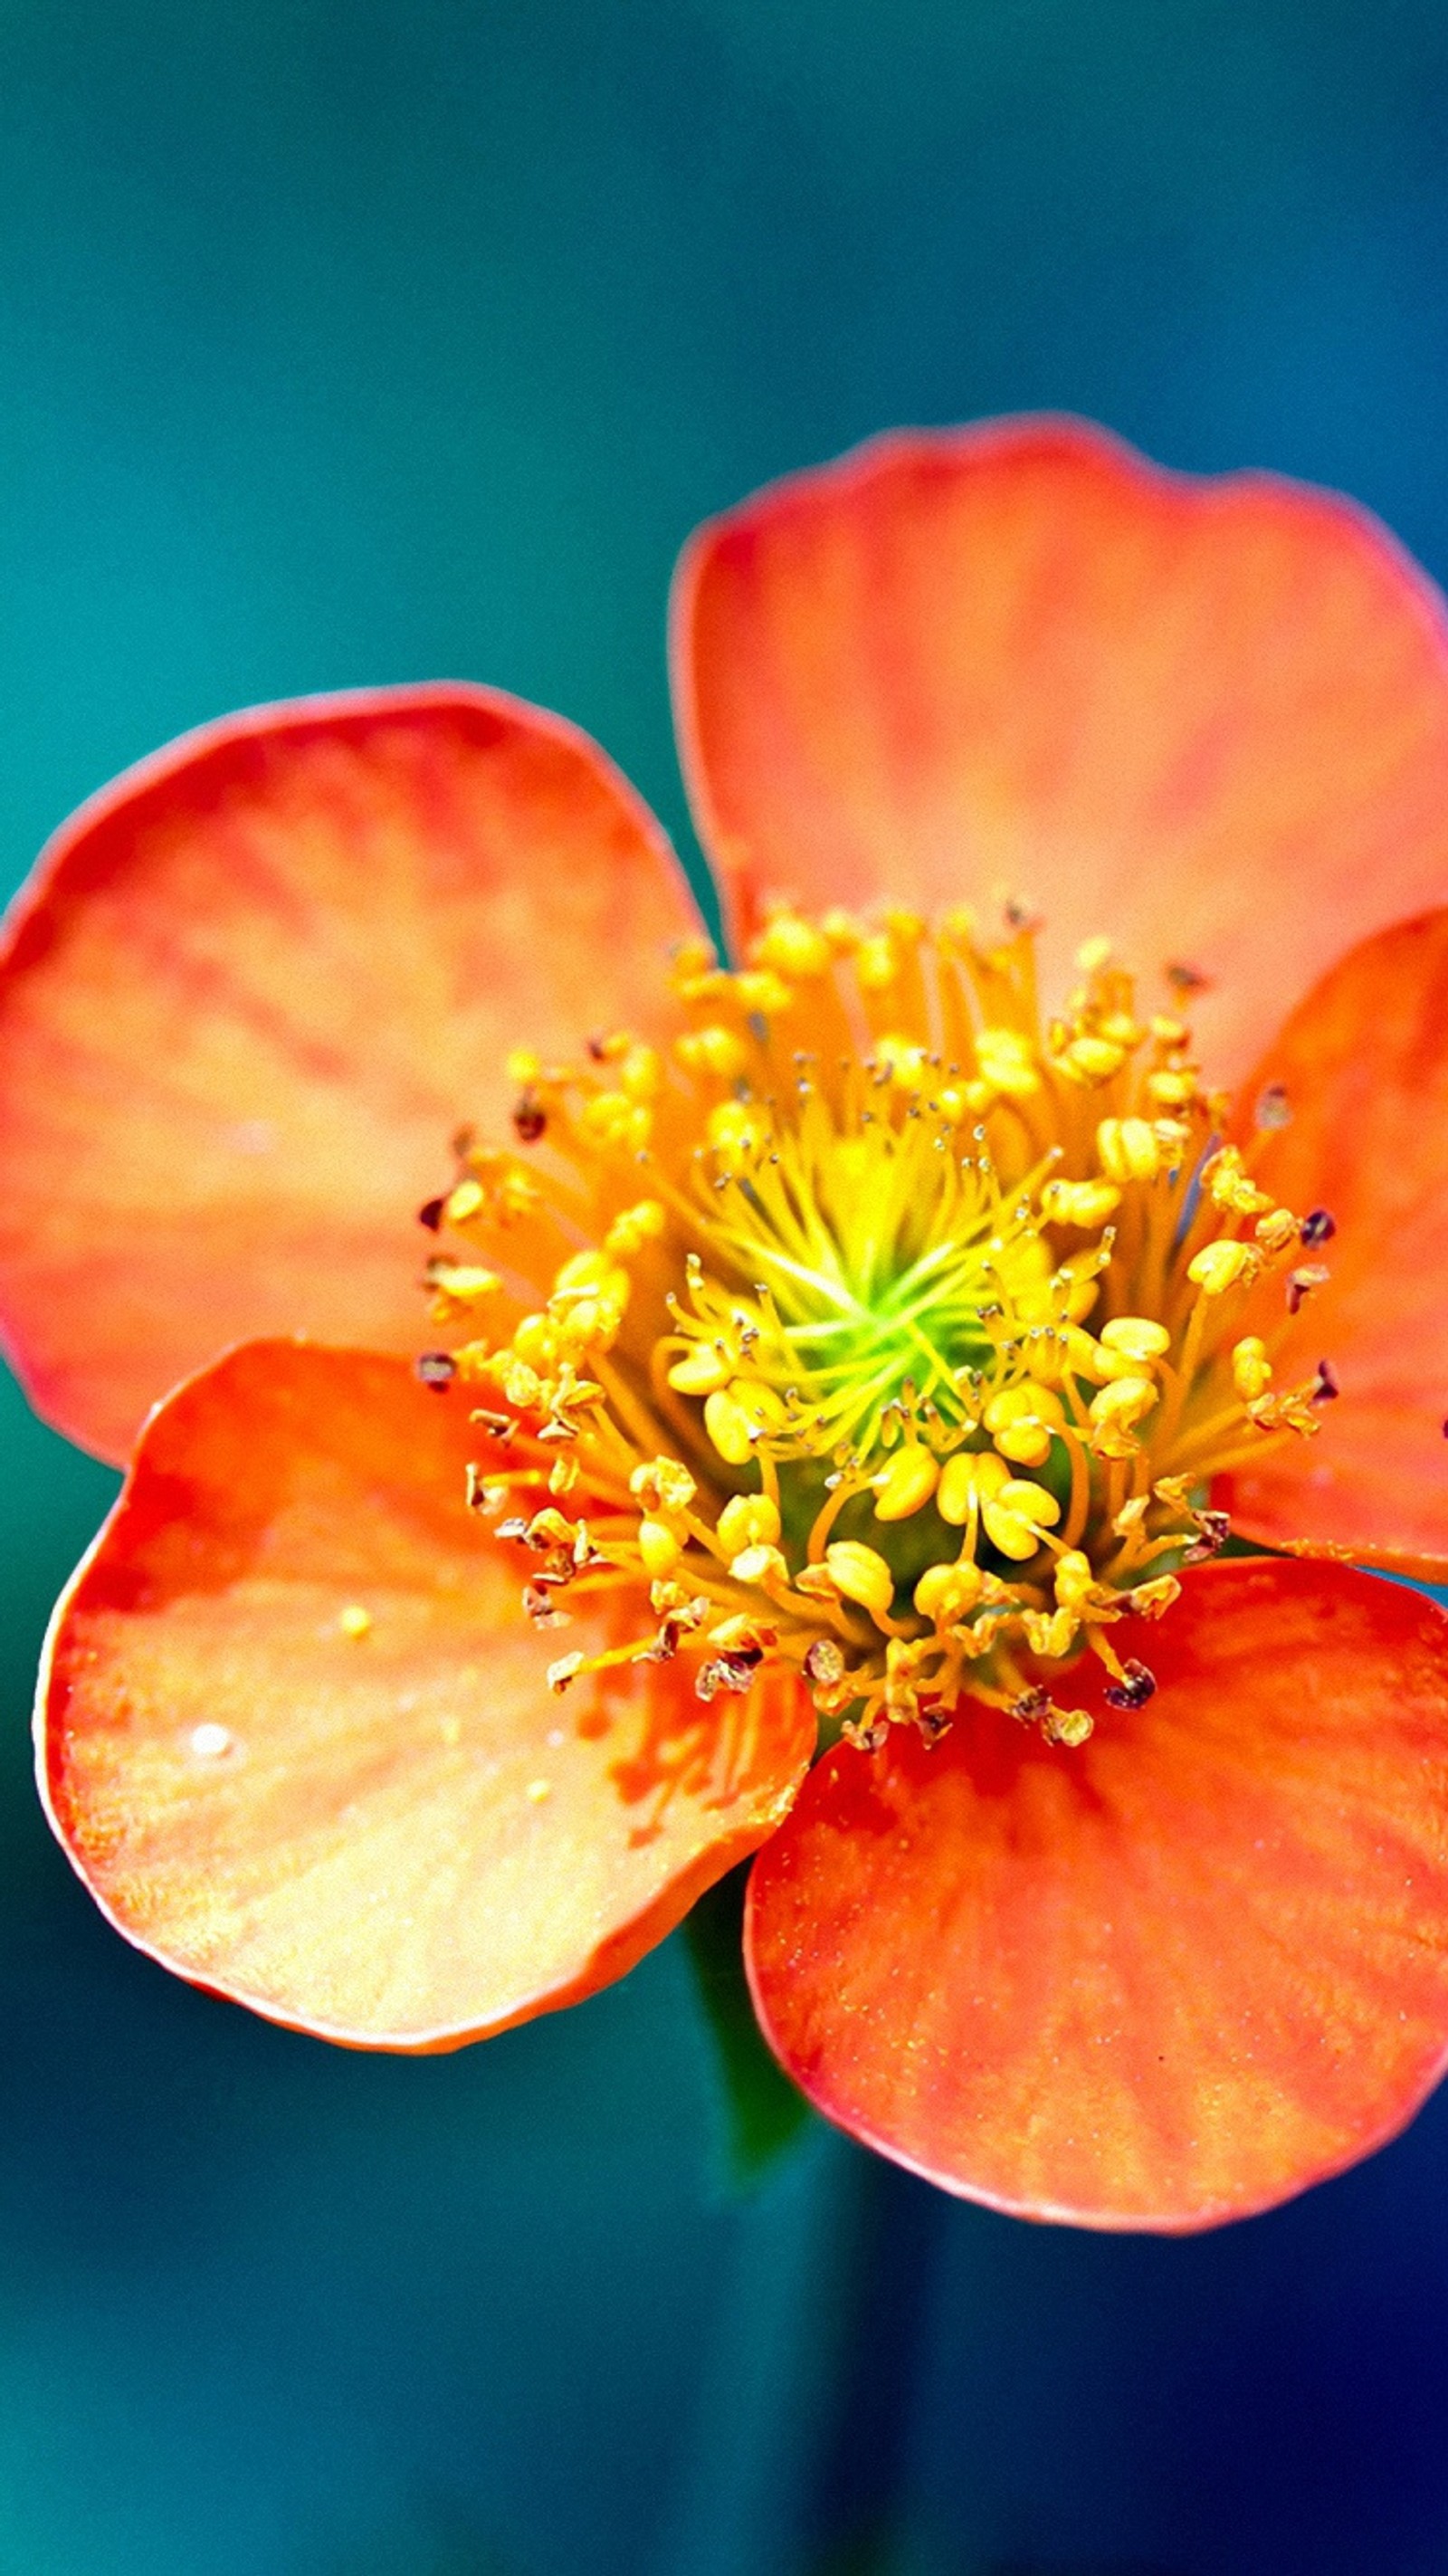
[(873, 1287), (659, 1549), (859, 1574), (906, 1485), (1220, 1266)]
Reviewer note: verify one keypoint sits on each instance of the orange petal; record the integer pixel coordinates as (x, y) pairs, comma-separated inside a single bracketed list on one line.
[(1208, 719), (399, 1838), (1364, 1062), (1165, 1980), (250, 995)]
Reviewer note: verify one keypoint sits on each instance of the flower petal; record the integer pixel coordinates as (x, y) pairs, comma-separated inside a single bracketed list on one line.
[(399, 1838), (1364, 1064), (1165, 1980), (1207, 719), (250, 995)]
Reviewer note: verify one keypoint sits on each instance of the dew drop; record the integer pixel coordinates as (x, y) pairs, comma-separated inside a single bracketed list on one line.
[(209, 1741)]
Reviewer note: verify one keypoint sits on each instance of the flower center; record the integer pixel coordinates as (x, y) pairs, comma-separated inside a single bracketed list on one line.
[(875, 1327)]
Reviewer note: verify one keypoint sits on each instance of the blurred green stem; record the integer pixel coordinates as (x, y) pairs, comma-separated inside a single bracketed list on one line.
[(765, 2113)]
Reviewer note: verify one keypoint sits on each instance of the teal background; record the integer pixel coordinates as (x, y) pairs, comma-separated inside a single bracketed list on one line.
[(351, 343)]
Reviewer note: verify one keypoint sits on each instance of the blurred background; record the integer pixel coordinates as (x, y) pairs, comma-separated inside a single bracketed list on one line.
[(343, 342)]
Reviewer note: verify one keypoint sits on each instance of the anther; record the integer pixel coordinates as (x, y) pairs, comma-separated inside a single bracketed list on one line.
[(1229, 1187), (1251, 1368), (1300, 1284), (1123, 1402), (732, 1672), (703, 1370), (1127, 1150), (948, 1592), (664, 1484), (1213, 1531), (1079, 1203), (437, 1369), (964, 1478), (542, 1609), (1088, 1060), (1136, 1686), (824, 1663), (860, 1575), (1273, 1107), (729, 1427), (867, 1735), (1325, 1387), (529, 1119), (1022, 1421), (459, 1284), (430, 1214), (467, 1199), (762, 1564), (1136, 1337), (1220, 1265), (659, 1549), (1276, 1231), (906, 1485), (1318, 1227), (748, 1520), (1071, 1727), (1016, 1515)]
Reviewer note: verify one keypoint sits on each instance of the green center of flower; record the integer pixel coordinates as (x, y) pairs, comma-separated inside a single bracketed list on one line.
[(854, 1270)]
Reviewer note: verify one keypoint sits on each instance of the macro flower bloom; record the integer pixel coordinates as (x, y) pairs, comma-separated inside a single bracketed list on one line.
[(911, 1400)]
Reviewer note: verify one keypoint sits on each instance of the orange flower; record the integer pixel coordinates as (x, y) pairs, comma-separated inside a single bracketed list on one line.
[(863, 1351)]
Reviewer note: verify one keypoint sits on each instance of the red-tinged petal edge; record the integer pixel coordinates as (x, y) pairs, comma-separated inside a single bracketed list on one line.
[(1167, 1979), (1361, 1070), (394, 1839), (251, 993), (1208, 719)]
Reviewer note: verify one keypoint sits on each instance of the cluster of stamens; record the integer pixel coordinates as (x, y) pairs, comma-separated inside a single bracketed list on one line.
[(869, 1325)]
